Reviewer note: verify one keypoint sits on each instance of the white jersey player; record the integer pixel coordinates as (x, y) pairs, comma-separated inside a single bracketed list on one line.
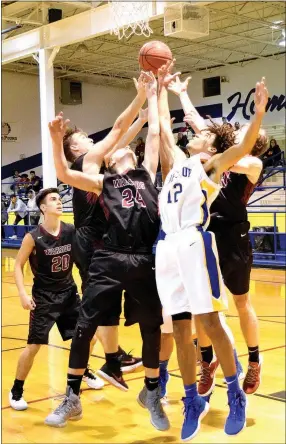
[(184, 208), (187, 267)]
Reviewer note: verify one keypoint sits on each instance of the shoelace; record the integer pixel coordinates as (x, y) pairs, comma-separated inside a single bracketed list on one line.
[(90, 373), (190, 405), (235, 401), (205, 376), (157, 408), (252, 374), (126, 355), (64, 407)]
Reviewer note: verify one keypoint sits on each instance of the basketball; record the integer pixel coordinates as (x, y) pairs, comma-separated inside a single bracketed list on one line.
[(153, 55)]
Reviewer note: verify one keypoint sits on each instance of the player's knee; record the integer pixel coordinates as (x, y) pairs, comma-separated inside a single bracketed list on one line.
[(151, 338), (33, 349), (80, 346), (211, 323), (242, 301), (165, 337), (182, 331)]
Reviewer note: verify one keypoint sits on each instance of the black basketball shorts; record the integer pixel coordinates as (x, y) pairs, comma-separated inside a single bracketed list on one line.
[(84, 247), (235, 257), (112, 272), (51, 307)]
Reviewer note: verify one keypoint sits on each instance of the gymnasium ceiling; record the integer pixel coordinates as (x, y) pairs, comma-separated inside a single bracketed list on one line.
[(240, 31)]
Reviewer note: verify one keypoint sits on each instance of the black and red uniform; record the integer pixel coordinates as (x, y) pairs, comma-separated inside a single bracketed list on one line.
[(54, 290), (230, 225)]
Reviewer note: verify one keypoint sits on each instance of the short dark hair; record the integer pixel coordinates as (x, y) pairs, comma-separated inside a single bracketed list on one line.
[(12, 195), (43, 194), (225, 135), (32, 172), (67, 143)]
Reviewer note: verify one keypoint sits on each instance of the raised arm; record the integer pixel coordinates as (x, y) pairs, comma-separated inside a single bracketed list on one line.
[(250, 166), (132, 132), (22, 257), (95, 156), (151, 157), (169, 151), (73, 178), (192, 117), (232, 155)]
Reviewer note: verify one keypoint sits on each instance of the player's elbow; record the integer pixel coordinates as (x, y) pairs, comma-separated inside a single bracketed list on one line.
[(120, 127)]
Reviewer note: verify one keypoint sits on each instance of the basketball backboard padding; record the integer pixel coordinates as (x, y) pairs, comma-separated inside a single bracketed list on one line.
[(186, 20)]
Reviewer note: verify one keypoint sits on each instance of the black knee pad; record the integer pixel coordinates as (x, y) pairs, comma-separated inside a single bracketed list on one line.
[(79, 353), (151, 338)]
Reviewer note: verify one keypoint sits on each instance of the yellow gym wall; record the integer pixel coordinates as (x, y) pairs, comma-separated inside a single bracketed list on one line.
[(256, 220)]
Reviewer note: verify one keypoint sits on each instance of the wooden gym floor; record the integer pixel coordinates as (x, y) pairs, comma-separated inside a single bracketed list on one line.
[(111, 415)]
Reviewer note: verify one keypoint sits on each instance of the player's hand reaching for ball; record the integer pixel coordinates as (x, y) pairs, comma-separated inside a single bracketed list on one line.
[(58, 127), (164, 74), (261, 97), (27, 302), (150, 83), (140, 85), (177, 86)]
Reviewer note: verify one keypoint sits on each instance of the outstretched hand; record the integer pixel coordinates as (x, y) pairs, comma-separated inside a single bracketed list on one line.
[(150, 83), (58, 127), (177, 86), (261, 97), (140, 84), (164, 73)]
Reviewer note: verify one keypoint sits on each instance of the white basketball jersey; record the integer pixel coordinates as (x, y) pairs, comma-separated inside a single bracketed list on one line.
[(186, 197)]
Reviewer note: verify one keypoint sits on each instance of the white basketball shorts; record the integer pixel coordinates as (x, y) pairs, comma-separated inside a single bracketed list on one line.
[(188, 274)]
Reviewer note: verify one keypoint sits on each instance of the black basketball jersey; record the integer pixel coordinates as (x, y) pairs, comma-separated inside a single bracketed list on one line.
[(230, 205), (86, 208), (130, 203), (52, 258)]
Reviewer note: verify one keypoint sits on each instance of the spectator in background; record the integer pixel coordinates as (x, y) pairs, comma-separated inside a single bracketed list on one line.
[(16, 179), (34, 212), (18, 207), (4, 214), (273, 150), (237, 126), (140, 150), (23, 184), (35, 182)]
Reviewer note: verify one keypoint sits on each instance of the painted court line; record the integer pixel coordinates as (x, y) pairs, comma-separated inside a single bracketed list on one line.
[(143, 376), (83, 390)]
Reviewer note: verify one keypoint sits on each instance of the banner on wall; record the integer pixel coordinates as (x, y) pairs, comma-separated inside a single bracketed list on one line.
[(10, 132)]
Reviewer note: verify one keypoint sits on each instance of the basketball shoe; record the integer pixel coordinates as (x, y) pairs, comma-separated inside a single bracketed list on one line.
[(91, 380), (207, 379), (114, 379), (150, 399), (69, 409), (128, 361), (195, 409), (16, 400), (253, 378), (236, 420)]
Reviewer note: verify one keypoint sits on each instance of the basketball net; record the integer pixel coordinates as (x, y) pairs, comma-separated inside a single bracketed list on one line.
[(130, 18)]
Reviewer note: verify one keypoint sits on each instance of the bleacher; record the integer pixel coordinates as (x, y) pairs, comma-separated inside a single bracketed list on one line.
[(266, 211)]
